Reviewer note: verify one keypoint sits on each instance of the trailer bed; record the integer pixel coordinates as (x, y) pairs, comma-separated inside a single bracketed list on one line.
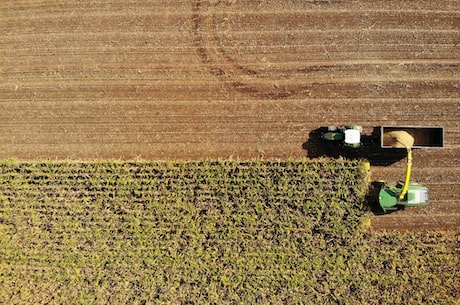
[(424, 136)]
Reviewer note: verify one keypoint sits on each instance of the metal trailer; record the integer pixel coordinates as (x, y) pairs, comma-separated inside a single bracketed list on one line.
[(424, 136)]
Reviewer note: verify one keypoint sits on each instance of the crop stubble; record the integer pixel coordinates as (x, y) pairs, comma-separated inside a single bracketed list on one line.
[(219, 79)]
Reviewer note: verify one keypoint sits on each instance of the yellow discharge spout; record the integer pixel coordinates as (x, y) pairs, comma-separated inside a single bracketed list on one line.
[(407, 180), (400, 138)]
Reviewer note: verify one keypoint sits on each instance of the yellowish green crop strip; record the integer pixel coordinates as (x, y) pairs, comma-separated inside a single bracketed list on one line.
[(208, 232)]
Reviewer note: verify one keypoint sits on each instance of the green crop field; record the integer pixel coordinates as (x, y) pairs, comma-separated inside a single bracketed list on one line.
[(209, 232)]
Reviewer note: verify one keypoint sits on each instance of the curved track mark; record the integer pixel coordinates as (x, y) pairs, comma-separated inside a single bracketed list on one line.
[(225, 67)]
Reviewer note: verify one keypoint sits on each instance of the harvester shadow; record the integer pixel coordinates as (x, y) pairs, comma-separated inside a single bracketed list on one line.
[(370, 149), (372, 200)]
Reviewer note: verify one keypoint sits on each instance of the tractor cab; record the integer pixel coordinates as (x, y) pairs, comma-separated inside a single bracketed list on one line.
[(350, 136)]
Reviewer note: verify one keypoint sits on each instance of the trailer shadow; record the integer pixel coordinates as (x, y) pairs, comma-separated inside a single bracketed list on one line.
[(370, 149)]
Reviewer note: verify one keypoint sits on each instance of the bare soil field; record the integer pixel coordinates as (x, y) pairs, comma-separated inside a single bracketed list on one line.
[(194, 79)]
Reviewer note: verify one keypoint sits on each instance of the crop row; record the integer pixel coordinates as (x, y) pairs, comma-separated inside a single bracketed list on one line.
[(204, 232), (233, 186)]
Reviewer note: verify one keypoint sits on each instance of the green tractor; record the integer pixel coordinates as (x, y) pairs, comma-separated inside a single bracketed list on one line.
[(393, 196), (350, 136)]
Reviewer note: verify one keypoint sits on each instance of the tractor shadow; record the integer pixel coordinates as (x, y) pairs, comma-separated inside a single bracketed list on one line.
[(370, 149)]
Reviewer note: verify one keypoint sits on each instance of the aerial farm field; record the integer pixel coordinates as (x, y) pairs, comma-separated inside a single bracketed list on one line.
[(218, 79), (238, 80)]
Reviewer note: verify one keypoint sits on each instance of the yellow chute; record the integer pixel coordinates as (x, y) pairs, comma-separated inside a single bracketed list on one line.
[(402, 139)]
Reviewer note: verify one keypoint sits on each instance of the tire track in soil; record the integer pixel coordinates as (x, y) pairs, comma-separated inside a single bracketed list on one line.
[(286, 82), (224, 66)]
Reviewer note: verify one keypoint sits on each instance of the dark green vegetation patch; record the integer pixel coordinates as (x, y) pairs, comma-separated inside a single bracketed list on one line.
[(223, 232)]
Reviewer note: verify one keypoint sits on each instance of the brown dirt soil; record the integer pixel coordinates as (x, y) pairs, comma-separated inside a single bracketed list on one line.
[(220, 79)]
